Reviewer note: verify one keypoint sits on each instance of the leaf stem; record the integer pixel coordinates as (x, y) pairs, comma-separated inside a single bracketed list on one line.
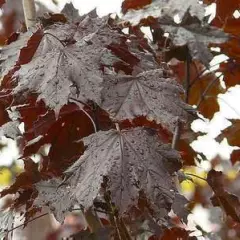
[(207, 89), (188, 76), (229, 105), (177, 134), (193, 175), (203, 71), (50, 34), (93, 220), (24, 224), (80, 103), (90, 118)]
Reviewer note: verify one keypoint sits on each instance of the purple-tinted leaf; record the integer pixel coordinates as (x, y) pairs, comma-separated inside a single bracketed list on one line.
[(132, 160), (162, 8), (58, 199), (195, 35), (151, 93)]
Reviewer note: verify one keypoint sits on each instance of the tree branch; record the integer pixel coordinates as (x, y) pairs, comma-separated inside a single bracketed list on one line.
[(24, 224), (209, 86), (177, 134), (93, 220), (187, 77), (29, 10)]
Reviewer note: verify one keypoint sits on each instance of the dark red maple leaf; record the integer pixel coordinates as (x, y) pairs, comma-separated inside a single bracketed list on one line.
[(2, 2), (229, 202), (175, 233), (25, 180), (63, 134), (134, 4)]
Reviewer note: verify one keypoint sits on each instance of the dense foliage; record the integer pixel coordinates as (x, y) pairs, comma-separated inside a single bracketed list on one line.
[(108, 114)]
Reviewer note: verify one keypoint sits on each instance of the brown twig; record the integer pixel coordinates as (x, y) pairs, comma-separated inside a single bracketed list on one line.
[(177, 134), (187, 77), (24, 224), (207, 89), (29, 10), (93, 220), (193, 175)]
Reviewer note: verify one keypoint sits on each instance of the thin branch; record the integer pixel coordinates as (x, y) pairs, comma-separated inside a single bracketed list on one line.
[(177, 134), (203, 71), (124, 229), (187, 77), (86, 113), (121, 232), (93, 220), (29, 10), (93, 123), (50, 34), (207, 89), (193, 175), (24, 224), (238, 113), (79, 101)]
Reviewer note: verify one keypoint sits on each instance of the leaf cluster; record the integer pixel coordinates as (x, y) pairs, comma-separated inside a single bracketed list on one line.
[(108, 114)]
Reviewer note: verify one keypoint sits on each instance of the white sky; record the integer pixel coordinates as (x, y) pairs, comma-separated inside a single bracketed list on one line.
[(104, 7)]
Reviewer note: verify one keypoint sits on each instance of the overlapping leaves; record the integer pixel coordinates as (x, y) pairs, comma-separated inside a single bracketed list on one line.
[(89, 58), (133, 160), (158, 8), (196, 36), (95, 65)]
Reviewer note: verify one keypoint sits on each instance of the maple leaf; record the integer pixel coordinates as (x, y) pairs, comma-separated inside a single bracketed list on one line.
[(19, 51), (58, 199), (230, 71), (149, 94), (72, 125), (9, 54), (71, 12), (130, 56), (177, 233), (231, 133), (203, 89), (224, 11), (69, 70), (235, 156), (182, 211), (6, 220), (2, 2), (133, 4), (187, 153), (195, 35), (25, 180), (10, 129), (160, 8), (229, 202), (132, 160), (59, 70)]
